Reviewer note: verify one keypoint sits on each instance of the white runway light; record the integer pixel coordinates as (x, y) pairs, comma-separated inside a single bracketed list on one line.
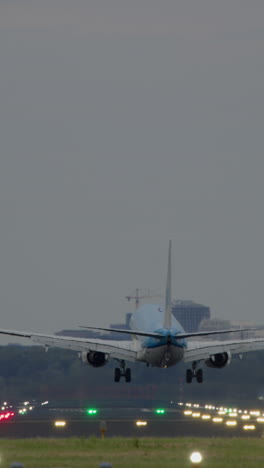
[(231, 423), (250, 427), (59, 423), (196, 458)]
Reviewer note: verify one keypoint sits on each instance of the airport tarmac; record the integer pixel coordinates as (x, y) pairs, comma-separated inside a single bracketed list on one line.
[(122, 422), (23, 429)]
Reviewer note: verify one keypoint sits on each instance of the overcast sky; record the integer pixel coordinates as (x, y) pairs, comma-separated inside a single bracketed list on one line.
[(124, 124)]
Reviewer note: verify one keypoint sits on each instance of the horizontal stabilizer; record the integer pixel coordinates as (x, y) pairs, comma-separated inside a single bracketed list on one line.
[(214, 332), (129, 332), (179, 336)]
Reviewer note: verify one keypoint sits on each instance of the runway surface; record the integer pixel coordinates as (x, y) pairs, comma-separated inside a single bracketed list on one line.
[(118, 422)]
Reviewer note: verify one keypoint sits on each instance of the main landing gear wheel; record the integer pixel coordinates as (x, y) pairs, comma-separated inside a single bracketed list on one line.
[(199, 376), (117, 374), (128, 375), (194, 373), (189, 376), (122, 372)]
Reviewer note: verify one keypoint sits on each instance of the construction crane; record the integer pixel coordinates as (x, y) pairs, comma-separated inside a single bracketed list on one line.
[(140, 294)]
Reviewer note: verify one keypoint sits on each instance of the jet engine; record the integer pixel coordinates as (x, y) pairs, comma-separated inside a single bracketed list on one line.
[(94, 358), (219, 360)]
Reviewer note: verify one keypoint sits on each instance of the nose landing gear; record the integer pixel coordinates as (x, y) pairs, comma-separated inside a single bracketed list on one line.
[(122, 371), (194, 373)]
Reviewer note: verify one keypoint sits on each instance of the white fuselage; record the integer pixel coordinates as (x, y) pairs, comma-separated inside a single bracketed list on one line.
[(158, 352)]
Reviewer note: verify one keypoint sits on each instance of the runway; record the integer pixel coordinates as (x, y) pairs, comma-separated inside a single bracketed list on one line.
[(118, 422)]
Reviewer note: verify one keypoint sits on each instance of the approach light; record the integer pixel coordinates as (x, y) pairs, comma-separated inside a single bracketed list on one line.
[(141, 423), (217, 420)]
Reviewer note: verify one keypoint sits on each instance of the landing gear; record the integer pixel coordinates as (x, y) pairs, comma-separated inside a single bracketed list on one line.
[(117, 374), (194, 373), (122, 371), (189, 376), (199, 376), (128, 375)]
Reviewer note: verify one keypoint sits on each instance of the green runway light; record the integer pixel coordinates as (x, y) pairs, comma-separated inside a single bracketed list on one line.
[(160, 411), (92, 411)]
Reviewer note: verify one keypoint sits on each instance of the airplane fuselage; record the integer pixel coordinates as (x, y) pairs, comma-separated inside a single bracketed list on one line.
[(158, 352)]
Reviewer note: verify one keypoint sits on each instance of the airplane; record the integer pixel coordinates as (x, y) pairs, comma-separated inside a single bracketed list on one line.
[(158, 340)]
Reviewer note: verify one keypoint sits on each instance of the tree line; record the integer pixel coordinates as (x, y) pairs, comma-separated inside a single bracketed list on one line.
[(28, 372)]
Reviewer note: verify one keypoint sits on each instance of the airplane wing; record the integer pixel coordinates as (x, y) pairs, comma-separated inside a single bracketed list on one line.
[(199, 351), (116, 349)]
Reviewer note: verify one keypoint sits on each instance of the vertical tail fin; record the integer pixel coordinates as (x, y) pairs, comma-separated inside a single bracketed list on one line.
[(167, 312)]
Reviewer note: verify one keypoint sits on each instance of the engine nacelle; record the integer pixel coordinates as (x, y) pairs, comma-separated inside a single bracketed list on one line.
[(94, 358), (219, 360)]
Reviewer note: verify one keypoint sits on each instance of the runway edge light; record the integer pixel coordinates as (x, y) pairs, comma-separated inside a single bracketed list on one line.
[(92, 411)]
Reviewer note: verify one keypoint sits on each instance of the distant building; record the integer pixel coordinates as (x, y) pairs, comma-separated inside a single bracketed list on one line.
[(82, 333), (190, 314), (256, 333), (79, 333), (216, 324), (122, 326), (253, 331)]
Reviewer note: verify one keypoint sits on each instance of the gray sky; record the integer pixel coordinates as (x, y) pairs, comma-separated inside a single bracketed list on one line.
[(122, 125)]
